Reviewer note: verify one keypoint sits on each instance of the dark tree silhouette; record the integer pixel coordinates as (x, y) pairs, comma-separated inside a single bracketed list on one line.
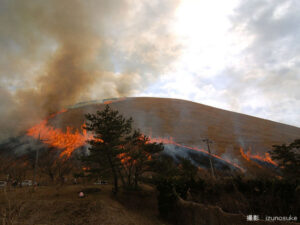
[(139, 156), (288, 158), (110, 131), (127, 153)]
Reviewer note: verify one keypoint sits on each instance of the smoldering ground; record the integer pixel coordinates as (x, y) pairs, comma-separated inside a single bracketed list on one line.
[(56, 53)]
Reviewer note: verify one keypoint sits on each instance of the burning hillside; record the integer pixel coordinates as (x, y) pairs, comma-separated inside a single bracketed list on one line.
[(262, 161), (67, 141), (64, 131), (72, 139), (188, 123)]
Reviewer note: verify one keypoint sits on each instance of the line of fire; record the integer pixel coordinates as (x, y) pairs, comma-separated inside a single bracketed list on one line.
[(70, 140)]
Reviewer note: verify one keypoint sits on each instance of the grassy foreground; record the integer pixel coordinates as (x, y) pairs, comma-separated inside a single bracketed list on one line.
[(51, 205)]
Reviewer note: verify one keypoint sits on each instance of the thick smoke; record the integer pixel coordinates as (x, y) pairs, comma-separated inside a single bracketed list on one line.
[(56, 53)]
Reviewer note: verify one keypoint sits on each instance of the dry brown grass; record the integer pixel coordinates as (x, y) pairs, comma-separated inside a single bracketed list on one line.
[(61, 206), (10, 209), (191, 213), (188, 122)]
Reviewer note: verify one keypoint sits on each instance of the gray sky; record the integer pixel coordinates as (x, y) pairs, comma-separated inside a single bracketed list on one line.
[(242, 56), (236, 55)]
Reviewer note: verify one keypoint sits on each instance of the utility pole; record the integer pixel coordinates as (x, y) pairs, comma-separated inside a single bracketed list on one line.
[(207, 141), (36, 160)]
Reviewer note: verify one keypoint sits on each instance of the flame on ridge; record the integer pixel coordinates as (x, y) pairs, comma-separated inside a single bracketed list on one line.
[(68, 141), (172, 142), (248, 156)]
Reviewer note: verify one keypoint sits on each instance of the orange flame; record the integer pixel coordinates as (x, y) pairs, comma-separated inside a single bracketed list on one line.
[(125, 159), (85, 168), (68, 141), (267, 158), (172, 142), (245, 155)]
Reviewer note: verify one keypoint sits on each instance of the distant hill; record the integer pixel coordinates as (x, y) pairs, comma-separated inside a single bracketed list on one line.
[(188, 123)]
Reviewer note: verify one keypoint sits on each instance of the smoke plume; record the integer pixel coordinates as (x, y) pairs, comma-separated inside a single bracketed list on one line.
[(56, 53)]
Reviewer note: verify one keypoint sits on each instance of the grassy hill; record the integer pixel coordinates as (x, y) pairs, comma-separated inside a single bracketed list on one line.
[(189, 122)]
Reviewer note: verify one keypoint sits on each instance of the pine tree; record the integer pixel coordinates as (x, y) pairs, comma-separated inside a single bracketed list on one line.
[(110, 131), (139, 156)]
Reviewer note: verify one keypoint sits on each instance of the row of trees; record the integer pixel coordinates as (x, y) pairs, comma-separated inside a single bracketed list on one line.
[(51, 167)]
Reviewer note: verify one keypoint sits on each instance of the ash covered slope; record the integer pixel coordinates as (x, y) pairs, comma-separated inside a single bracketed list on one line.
[(188, 123)]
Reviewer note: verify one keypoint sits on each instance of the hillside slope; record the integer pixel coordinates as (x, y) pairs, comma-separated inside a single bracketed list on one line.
[(188, 123)]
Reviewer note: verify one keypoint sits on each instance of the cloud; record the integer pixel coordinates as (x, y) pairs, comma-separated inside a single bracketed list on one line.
[(253, 67), (270, 68)]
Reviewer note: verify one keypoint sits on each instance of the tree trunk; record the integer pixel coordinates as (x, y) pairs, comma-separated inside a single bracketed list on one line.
[(116, 188), (136, 181), (113, 169), (51, 175), (129, 179), (121, 176)]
